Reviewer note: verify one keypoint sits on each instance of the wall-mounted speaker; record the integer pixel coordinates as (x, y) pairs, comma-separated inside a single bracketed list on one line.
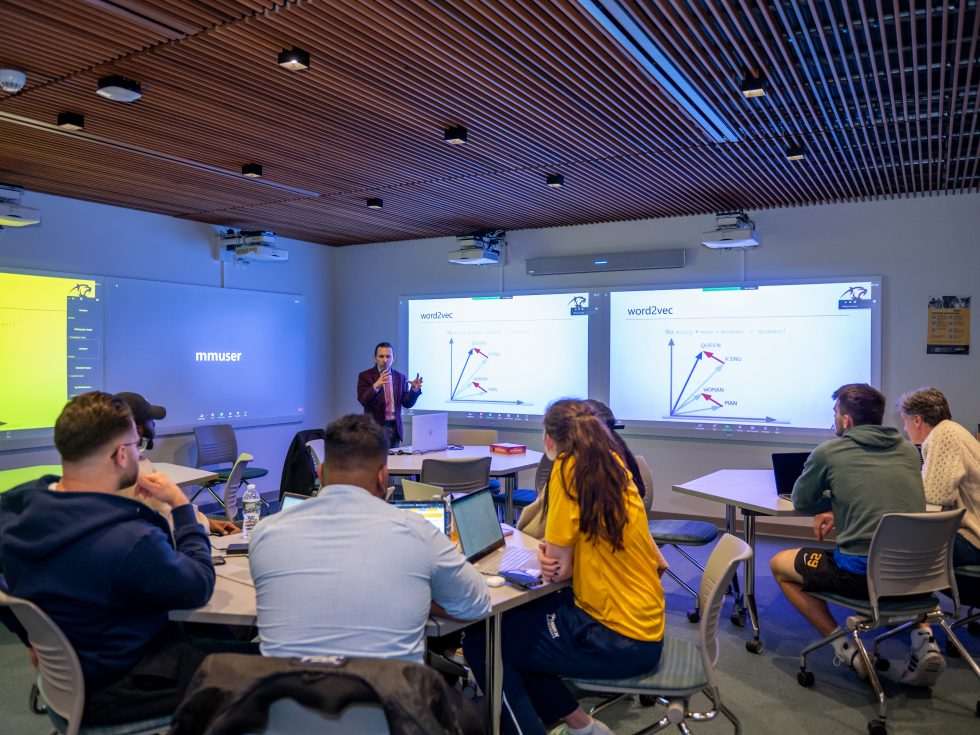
[(632, 261)]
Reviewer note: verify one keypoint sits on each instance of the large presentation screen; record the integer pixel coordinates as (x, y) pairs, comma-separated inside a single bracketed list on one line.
[(50, 349), (741, 361), (209, 355), (503, 357)]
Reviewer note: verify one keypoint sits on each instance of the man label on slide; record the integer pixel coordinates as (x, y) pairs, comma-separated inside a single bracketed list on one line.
[(384, 391)]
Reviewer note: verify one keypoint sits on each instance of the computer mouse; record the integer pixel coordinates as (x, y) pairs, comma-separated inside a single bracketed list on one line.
[(495, 581)]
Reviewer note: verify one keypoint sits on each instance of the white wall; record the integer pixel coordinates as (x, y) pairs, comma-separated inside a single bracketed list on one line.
[(921, 247), (81, 237)]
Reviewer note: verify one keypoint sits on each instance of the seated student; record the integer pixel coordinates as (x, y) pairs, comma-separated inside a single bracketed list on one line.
[(611, 623), (951, 475), (346, 573), (861, 475), (105, 567), (145, 415)]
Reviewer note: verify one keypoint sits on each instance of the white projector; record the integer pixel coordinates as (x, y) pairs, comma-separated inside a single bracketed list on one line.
[(730, 238), (475, 256), (261, 253), (14, 215)]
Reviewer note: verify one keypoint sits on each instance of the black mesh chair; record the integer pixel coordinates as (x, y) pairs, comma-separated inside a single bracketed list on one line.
[(216, 446)]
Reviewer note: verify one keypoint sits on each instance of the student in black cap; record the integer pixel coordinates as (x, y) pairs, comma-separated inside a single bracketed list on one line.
[(145, 415)]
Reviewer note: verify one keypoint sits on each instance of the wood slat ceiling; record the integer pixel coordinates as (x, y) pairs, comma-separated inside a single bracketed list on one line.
[(882, 95)]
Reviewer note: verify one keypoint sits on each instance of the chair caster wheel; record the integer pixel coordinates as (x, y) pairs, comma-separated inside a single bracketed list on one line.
[(738, 618), (754, 646), (805, 678), (877, 727), (648, 700), (882, 664), (951, 650), (694, 616), (37, 706)]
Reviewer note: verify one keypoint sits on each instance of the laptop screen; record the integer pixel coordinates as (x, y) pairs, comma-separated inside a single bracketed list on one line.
[(429, 432), (291, 499), (433, 511), (477, 524), (786, 469)]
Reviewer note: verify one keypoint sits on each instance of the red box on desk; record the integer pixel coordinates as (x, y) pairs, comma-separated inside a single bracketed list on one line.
[(507, 448)]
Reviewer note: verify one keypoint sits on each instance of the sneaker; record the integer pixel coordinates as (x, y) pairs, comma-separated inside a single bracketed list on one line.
[(846, 654), (925, 663)]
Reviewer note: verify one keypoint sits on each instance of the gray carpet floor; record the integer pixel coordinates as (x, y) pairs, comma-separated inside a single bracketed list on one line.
[(760, 689)]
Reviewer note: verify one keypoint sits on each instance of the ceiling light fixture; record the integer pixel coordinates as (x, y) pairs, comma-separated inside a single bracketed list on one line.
[(753, 86), (252, 170), (71, 120), (295, 59), (794, 153), (375, 203), (556, 181), (119, 89), (12, 80), (618, 22), (455, 135)]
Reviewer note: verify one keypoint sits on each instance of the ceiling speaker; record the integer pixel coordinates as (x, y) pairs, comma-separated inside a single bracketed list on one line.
[(632, 261)]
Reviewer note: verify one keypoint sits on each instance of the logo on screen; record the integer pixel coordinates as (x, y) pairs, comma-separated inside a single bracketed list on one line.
[(578, 304), (856, 297), (217, 357)]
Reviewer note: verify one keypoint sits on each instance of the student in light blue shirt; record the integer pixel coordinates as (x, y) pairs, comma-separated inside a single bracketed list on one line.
[(346, 573)]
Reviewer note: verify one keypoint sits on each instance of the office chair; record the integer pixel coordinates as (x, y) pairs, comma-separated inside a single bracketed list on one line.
[(678, 533), (236, 478), (910, 559), (60, 679), (457, 475), (317, 451), (685, 668), (217, 445)]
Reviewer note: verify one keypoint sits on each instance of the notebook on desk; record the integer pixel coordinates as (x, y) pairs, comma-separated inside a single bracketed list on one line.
[(481, 536), (786, 469)]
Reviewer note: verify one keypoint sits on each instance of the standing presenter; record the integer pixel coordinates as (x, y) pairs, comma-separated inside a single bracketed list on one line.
[(384, 391)]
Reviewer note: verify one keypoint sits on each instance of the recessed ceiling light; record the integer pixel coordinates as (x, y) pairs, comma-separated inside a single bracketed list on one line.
[(295, 59), (753, 86), (119, 89), (556, 181), (794, 153), (71, 120), (252, 170), (456, 135), (375, 203)]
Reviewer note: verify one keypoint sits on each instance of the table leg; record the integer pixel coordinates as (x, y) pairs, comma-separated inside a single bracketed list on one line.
[(738, 608), (754, 645), (508, 484), (494, 674)]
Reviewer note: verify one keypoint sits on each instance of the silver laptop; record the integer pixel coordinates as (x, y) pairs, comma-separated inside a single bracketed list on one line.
[(413, 490), (429, 432), (291, 499), (434, 511), (482, 538)]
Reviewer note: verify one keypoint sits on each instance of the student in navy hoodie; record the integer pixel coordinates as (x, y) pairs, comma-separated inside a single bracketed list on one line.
[(105, 568)]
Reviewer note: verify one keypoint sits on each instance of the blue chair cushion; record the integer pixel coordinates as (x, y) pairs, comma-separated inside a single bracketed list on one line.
[(681, 671), (251, 473), (522, 498), (684, 533)]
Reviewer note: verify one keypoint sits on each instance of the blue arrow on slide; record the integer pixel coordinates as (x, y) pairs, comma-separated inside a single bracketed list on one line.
[(697, 359), (468, 356), (671, 403), (450, 368)]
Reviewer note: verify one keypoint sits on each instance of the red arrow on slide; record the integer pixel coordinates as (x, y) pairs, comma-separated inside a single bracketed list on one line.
[(485, 390), (479, 352), (712, 356), (707, 397)]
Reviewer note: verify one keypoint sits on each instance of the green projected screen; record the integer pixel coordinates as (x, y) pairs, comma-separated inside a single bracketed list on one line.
[(50, 348)]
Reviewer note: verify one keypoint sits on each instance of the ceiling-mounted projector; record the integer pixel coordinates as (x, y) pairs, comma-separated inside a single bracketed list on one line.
[(12, 214), (482, 248), (733, 231), (253, 245)]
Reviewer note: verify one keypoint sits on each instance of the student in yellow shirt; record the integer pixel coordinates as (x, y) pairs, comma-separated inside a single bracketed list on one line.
[(611, 622)]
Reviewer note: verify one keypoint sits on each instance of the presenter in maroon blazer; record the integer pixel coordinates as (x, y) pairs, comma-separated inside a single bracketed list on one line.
[(384, 392)]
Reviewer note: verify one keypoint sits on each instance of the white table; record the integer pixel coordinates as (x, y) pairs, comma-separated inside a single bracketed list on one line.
[(503, 466), (233, 603), (753, 492), (182, 476)]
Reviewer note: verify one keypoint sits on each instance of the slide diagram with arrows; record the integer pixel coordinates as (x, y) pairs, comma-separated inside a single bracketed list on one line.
[(499, 355), (765, 356)]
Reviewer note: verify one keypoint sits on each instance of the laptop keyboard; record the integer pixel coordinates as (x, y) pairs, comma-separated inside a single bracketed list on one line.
[(517, 559)]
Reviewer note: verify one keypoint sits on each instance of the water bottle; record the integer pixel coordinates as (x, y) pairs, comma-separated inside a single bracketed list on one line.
[(251, 504)]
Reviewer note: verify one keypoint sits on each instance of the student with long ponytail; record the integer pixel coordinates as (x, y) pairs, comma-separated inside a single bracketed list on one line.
[(611, 622)]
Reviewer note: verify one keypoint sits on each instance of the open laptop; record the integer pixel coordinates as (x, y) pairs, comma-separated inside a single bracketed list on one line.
[(291, 499), (413, 490), (429, 432), (481, 536), (434, 511), (786, 469)]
